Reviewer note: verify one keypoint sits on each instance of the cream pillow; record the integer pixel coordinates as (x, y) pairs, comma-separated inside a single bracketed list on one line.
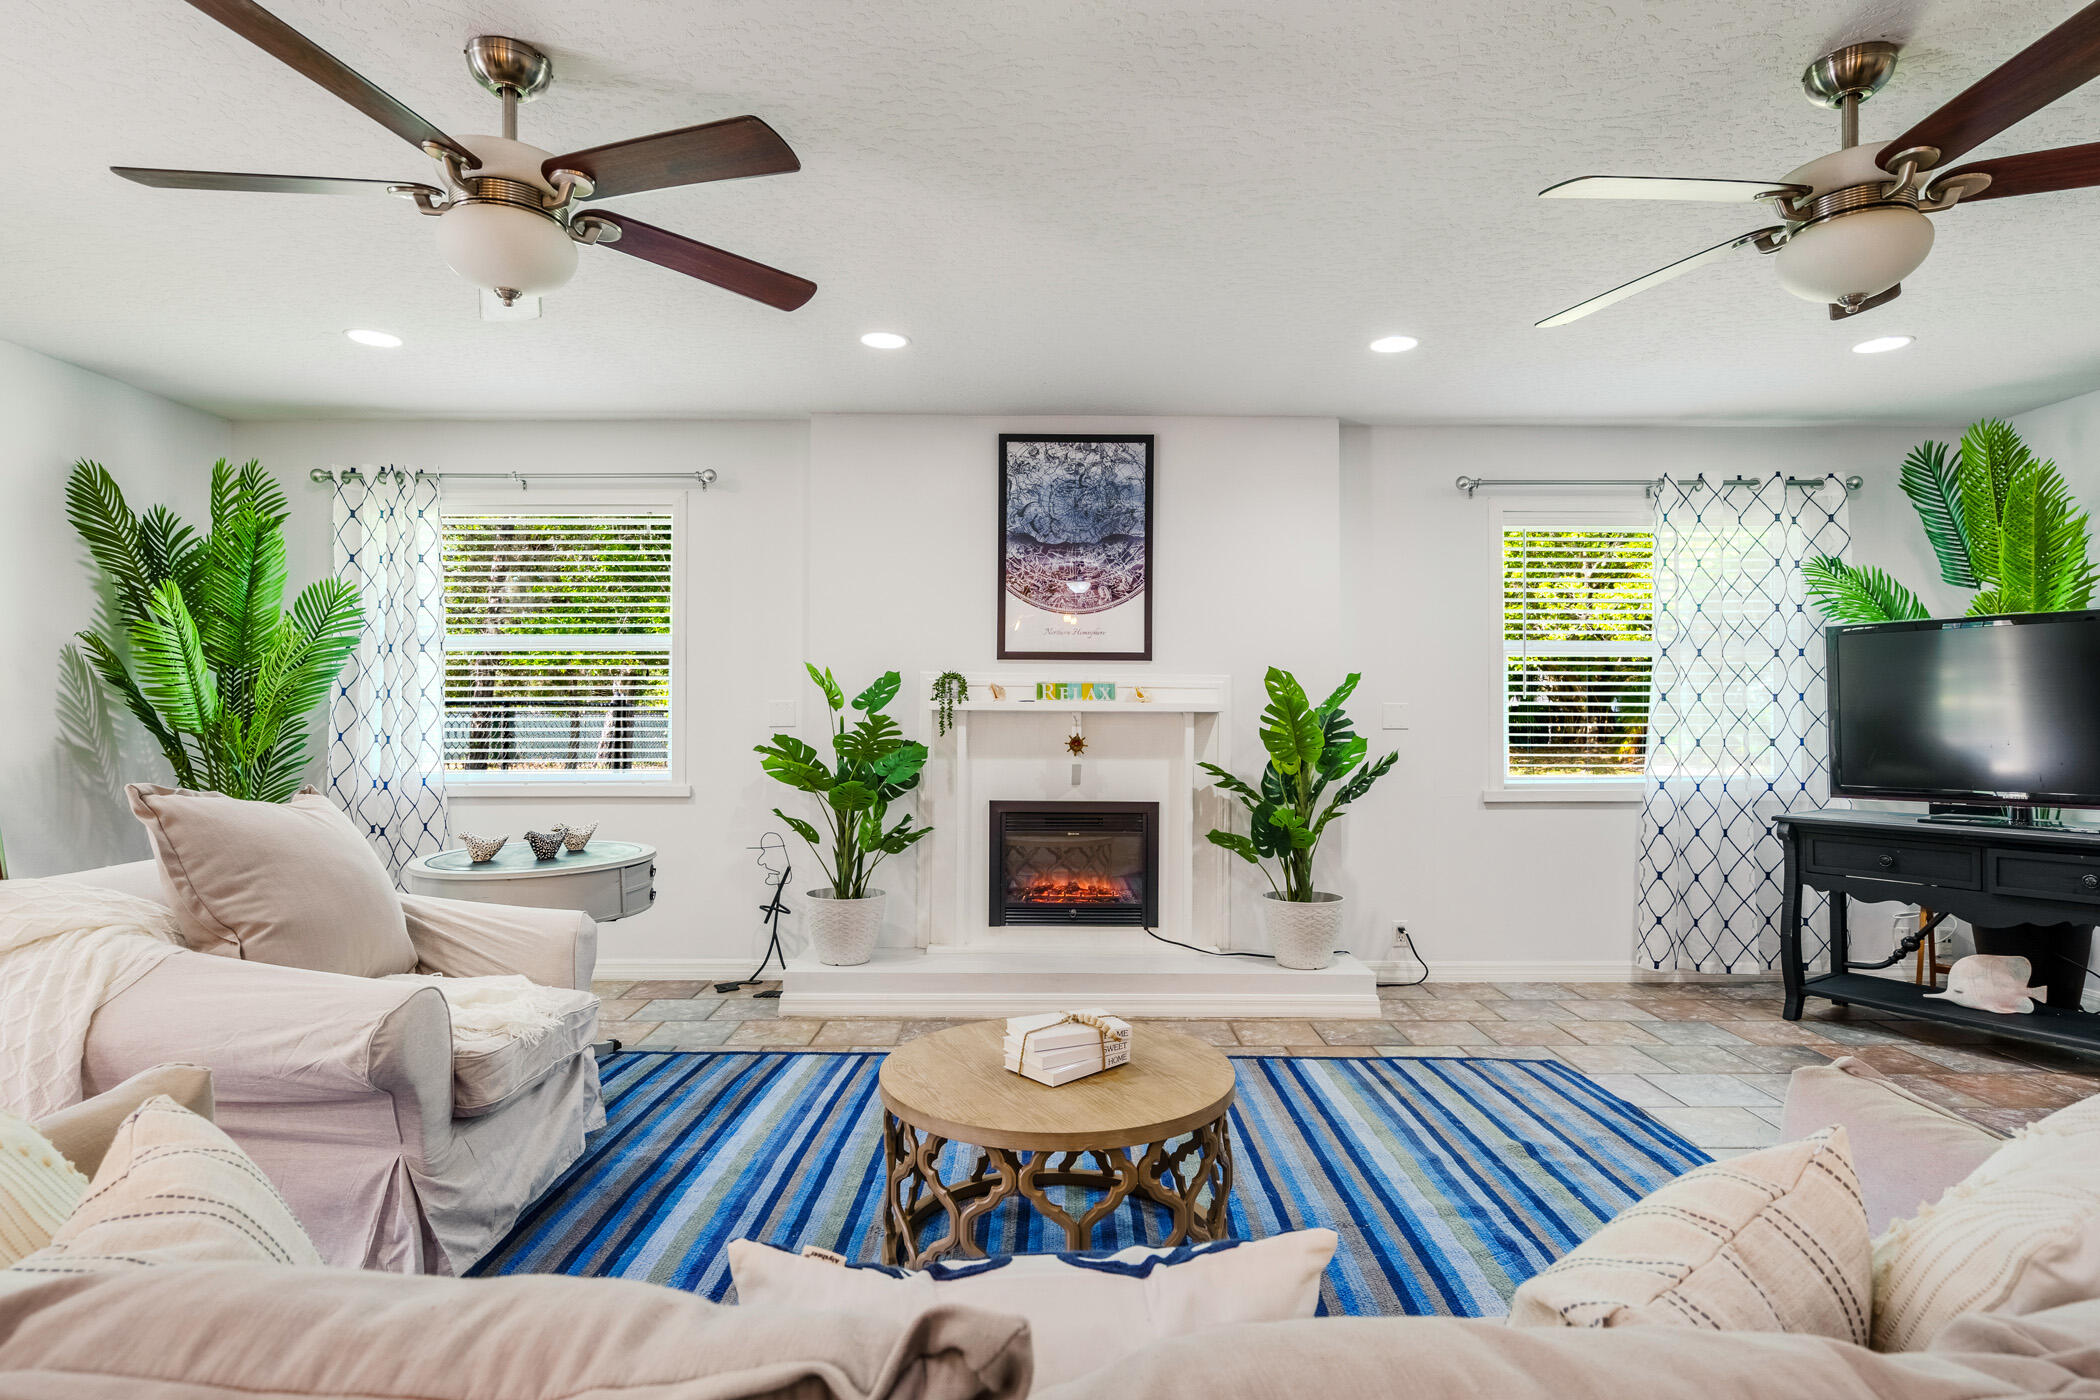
[(1084, 1312), (38, 1189), (173, 1189), (1906, 1149), (290, 883), (2019, 1234), (1771, 1241)]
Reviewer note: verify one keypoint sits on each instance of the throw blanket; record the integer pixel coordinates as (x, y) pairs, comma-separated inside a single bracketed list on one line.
[(488, 1011), (65, 949)]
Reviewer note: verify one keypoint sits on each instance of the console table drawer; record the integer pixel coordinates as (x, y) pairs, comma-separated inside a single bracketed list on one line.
[(1906, 861), (2050, 877)]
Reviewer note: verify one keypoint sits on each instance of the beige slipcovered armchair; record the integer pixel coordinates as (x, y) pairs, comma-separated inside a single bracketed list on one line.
[(394, 1153)]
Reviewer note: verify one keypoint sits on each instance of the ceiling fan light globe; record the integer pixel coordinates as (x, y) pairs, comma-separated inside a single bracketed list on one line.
[(496, 246), (1857, 254)]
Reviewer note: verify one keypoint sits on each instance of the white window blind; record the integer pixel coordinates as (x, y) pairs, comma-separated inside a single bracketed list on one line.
[(1578, 646), (558, 644)]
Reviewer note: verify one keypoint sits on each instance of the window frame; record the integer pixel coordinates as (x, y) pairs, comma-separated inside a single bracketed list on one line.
[(1549, 513), (611, 500)]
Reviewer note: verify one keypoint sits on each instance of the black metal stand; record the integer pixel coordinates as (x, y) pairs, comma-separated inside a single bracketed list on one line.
[(772, 909), (2043, 882)]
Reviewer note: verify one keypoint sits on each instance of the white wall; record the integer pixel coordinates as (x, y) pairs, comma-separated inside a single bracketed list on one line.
[(2069, 432), (741, 609), (58, 813), (1546, 884)]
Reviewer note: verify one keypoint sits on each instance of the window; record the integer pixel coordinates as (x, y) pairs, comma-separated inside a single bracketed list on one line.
[(1578, 646), (559, 644)]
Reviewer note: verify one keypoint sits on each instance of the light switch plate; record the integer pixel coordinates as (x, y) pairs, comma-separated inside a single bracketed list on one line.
[(780, 714), (1393, 714)]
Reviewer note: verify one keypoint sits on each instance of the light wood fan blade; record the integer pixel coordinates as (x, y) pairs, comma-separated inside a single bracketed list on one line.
[(1668, 187), (293, 49), (710, 264), (2064, 59), (1658, 277), (265, 184), (733, 149), (2037, 172)]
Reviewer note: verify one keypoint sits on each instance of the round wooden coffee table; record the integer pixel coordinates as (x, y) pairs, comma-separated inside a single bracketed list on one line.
[(1169, 1104)]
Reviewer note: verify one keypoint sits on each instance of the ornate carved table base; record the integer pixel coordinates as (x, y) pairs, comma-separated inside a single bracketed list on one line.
[(1175, 1174)]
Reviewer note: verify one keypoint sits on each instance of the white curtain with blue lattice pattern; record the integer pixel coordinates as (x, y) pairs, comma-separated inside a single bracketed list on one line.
[(386, 751), (1737, 722)]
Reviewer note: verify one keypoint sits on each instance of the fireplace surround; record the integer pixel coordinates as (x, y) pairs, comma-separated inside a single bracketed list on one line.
[(1074, 864)]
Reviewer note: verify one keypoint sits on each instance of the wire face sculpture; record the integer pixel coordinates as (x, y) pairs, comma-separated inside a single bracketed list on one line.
[(772, 858)]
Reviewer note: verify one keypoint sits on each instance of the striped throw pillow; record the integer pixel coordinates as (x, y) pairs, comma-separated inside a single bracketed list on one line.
[(2018, 1235), (1771, 1241), (38, 1189), (173, 1189)]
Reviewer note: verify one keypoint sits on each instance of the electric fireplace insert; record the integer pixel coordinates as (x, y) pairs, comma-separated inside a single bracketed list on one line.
[(1075, 863)]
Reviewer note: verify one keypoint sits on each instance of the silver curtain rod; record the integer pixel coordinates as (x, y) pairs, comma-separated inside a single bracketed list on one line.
[(1470, 484), (704, 478)]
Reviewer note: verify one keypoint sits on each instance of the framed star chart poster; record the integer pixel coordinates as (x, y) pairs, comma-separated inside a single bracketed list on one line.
[(1075, 547)]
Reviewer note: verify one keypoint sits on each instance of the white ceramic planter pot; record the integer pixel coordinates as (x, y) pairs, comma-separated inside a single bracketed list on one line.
[(843, 930), (1303, 936)]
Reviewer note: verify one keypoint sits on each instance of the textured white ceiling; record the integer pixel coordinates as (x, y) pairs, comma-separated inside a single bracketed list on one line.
[(1115, 206)]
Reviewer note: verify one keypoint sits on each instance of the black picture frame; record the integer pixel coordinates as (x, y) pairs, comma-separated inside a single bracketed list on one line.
[(1010, 652)]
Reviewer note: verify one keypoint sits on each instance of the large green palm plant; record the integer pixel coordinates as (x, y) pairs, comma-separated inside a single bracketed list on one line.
[(2001, 522), (196, 644)]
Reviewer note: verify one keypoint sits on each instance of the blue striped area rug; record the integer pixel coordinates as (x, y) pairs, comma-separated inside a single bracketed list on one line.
[(1450, 1181)]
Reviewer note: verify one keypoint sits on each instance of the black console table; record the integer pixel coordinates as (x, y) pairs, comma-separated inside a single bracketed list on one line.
[(1990, 875)]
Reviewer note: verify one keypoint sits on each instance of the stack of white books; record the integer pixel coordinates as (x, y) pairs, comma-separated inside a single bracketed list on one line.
[(1062, 1046)]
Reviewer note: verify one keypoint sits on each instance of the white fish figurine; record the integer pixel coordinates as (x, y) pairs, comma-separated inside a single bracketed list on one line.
[(1992, 982)]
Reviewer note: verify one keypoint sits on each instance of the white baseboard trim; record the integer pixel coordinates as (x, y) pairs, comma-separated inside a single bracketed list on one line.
[(1386, 970), (679, 969), (1443, 970)]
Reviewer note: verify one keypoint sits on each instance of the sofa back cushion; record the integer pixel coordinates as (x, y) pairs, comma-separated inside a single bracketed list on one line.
[(172, 1189), (2018, 1235), (290, 883), (1906, 1149), (1771, 1241), (246, 1331)]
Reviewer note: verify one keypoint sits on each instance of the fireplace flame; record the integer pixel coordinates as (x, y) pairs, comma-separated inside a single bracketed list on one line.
[(1073, 889)]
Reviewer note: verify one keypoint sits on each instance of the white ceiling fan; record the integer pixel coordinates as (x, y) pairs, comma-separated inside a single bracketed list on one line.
[(510, 214), (1852, 224)]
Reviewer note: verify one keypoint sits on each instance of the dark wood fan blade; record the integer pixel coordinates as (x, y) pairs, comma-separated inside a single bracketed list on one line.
[(1658, 277), (263, 184), (2037, 172), (2060, 61), (725, 150), (726, 270), (288, 46), (1667, 187)]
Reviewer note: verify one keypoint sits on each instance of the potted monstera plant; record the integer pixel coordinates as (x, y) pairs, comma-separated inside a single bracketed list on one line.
[(872, 765), (1318, 765)]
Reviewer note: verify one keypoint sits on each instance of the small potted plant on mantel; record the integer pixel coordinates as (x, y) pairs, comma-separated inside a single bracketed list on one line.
[(1312, 751), (873, 765)]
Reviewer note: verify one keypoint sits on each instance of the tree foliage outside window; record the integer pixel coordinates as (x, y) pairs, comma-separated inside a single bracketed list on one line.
[(1578, 636), (558, 642)]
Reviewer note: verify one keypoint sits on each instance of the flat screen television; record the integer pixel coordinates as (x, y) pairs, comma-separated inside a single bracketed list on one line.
[(1991, 710)]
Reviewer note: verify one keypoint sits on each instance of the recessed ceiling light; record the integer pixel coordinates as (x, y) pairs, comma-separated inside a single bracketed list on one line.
[(884, 340), (1394, 344), (381, 339), (1882, 343)]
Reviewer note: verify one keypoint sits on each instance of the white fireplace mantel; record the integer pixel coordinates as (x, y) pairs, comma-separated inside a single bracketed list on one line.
[(1137, 750)]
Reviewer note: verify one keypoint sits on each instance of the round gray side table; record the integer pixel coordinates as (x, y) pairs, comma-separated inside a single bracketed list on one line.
[(607, 879)]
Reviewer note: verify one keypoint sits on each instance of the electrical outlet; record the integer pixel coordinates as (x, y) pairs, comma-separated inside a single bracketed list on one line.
[(1393, 714), (780, 714)]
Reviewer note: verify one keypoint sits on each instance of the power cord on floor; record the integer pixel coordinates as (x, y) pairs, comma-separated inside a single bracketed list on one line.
[(1405, 936)]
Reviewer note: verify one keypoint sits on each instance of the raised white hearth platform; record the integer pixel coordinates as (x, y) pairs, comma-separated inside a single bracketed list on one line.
[(1155, 981)]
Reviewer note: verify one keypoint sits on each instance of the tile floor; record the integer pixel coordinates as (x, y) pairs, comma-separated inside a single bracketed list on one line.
[(1710, 1060)]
